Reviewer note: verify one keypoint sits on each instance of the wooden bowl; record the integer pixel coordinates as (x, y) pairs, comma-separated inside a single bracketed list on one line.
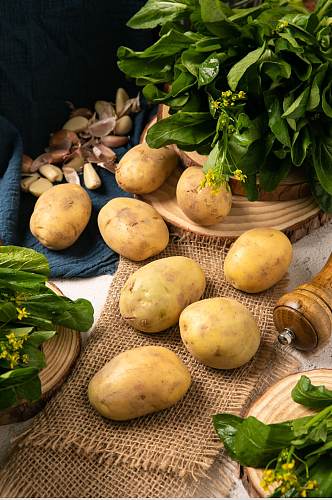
[(276, 405), (61, 352)]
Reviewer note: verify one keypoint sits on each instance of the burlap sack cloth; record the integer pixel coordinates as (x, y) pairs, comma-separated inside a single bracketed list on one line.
[(72, 451)]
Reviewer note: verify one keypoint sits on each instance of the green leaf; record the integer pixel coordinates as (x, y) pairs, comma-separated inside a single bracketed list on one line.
[(38, 337), (24, 259), (191, 60), (322, 161), (277, 124), (160, 12), (184, 128), (314, 97), (298, 108), (183, 83), (272, 172), (240, 68), (311, 396), (36, 358), (327, 100), (7, 312), (300, 146), (227, 426), (21, 279), (322, 197), (322, 473), (208, 70), (21, 384)]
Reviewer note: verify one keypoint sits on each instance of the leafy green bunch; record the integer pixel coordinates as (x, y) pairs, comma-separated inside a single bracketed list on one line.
[(29, 314), (296, 454), (277, 54)]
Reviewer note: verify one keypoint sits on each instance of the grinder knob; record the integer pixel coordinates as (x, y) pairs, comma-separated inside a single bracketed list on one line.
[(303, 317)]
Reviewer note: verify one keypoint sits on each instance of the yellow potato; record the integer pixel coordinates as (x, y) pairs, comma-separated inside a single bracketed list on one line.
[(60, 216), (143, 169), (132, 228), (220, 332), (154, 296), (202, 205), (138, 382), (258, 259)]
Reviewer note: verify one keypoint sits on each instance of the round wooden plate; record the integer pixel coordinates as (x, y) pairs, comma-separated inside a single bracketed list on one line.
[(276, 405), (287, 216), (61, 352)]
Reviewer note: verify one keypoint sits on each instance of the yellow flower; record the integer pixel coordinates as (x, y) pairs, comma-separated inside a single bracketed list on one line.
[(303, 493), (289, 466), (22, 313), (13, 359), (25, 358), (242, 95), (239, 175), (215, 104)]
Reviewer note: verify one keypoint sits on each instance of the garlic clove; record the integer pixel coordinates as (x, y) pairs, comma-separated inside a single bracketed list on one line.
[(51, 172), (26, 164), (76, 123), (123, 125), (102, 127), (71, 175), (28, 180), (75, 160), (90, 176), (120, 100), (39, 187), (114, 141), (104, 109), (63, 139)]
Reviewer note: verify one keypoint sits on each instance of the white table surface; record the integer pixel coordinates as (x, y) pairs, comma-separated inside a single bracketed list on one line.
[(310, 254)]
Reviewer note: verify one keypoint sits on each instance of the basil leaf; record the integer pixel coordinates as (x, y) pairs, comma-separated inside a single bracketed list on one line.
[(160, 12), (311, 396), (240, 68), (183, 128), (24, 259)]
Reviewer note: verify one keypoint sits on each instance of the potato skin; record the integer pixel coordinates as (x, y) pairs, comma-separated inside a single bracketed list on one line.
[(132, 228), (60, 216), (154, 296), (258, 259), (202, 205), (137, 382), (220, 332), (143, 170)]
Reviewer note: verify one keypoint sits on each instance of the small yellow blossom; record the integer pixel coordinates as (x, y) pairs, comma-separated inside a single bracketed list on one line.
[(25, 359), (215, 104), (239, 175), (22, 313), (242, 95)]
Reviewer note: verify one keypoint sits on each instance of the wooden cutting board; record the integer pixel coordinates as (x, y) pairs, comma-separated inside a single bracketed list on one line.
[(61, 352), (276, 405)]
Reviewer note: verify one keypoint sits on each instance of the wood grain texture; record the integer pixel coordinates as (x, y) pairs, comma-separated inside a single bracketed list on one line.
[(61, 353), (276, 405), (307, 311), (244, 214), (293, 187)]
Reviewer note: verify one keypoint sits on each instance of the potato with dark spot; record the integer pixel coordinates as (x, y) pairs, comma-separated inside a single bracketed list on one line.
[(132, 228), (258, 259), (153, 297), (143, 169), (219, 332), (202, 205), (138, 382), (60, 216)]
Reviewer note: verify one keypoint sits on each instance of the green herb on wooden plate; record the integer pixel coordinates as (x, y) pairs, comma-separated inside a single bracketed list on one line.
[(29, 314), (296, 454), (251, 87)]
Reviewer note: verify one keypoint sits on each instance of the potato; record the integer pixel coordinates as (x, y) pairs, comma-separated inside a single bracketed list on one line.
[(154, 296), (143, 169), (138, 382), (258, 259), (60, 216), (219, 332), (132, 228), (202, 205)]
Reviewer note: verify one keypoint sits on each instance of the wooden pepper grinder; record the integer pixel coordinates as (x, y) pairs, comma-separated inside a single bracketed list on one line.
[(303, 317)]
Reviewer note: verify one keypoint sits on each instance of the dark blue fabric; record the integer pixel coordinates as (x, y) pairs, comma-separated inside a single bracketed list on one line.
[(89, 256), (53, 51)]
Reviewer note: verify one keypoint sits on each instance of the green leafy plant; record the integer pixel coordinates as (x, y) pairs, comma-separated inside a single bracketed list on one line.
[(29, 313), (277, 55), (296, 454)]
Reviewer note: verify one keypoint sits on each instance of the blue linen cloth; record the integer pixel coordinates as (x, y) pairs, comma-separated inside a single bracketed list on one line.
[(89, 256)]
